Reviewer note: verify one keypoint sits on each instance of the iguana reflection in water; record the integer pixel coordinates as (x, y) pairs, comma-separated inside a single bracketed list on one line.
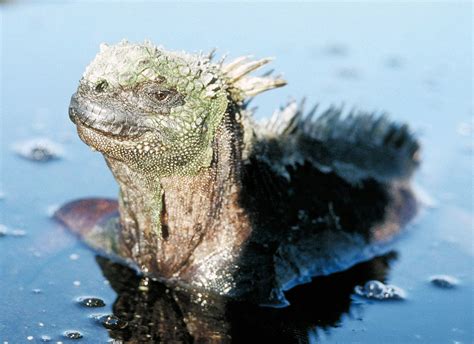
[(217, 203), (157, 314)]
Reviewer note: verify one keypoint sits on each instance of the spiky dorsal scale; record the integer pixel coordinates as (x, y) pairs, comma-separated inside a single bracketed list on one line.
[(357, 146)]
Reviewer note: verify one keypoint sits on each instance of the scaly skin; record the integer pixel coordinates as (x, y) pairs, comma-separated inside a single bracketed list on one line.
[(206, 194)]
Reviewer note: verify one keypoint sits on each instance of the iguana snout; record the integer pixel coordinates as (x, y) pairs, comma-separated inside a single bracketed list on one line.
[(106, 119)]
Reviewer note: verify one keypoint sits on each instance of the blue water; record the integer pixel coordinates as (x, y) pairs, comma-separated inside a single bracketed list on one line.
[(412, 60)]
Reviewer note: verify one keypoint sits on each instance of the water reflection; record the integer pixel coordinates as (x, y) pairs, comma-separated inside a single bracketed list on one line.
[(155, 313)]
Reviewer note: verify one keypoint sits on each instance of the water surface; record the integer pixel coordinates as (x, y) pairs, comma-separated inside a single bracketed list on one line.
[(412, 60)]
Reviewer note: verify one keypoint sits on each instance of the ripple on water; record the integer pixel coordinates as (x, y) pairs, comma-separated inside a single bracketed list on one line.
[(376, 290)]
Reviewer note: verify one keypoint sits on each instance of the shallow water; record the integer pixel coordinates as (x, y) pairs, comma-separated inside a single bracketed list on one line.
[(411, 60)]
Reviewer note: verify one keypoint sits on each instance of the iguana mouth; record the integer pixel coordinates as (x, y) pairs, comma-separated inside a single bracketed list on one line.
[(106, 121)]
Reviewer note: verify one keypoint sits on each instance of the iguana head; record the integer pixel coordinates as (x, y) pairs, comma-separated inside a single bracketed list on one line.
[(156, 110)]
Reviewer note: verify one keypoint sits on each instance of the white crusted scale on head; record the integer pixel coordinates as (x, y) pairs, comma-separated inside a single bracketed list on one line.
[(127, 63)]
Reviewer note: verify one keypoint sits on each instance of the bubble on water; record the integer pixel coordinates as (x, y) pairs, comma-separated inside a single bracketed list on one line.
[(30, 338), (444, 281), (111, 322), (39, 150), (74, 256), (77, 283), (91, 302), (377, 290), (45, 339), (73, 334), (37, 291)]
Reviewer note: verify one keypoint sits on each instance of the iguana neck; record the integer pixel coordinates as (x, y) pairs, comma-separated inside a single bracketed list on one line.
[(171, 224)]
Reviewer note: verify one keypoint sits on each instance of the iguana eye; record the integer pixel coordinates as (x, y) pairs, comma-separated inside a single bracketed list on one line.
[(161, 95), (157, 99)]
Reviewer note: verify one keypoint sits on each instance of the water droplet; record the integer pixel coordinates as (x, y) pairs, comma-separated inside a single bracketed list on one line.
[(45, 339), (37, 291), (73, 334), (30, 338), (444, 281), (91, 302), (74, 256), (39, 150), (376, 290), (77, 283), (111, 322)]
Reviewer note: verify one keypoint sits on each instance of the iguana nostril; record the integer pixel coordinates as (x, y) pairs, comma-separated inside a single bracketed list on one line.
[(101, 86)]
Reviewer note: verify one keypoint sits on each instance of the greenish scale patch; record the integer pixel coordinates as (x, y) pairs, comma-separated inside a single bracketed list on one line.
[(179, 134), (190, 128), (184, 146)]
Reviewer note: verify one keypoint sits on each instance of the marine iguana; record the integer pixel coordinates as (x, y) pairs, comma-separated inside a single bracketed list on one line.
[(211, 199)]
